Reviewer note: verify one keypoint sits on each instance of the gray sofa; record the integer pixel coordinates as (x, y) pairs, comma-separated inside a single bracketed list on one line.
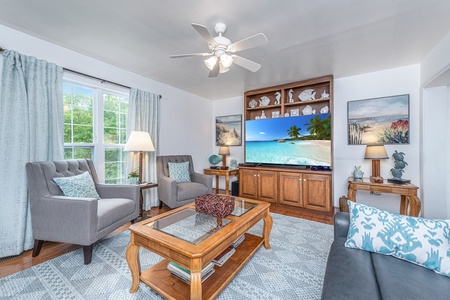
[(81, 221), (359, 274)]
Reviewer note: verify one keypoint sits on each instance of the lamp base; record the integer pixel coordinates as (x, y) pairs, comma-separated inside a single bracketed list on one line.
[(376, 179)]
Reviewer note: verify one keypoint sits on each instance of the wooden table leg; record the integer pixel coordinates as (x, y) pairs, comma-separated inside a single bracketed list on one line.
[(414, 205), (217, 184), (351, 194), (404, 203), (227, 184), (134, 264), (196, 280), (267, 229)]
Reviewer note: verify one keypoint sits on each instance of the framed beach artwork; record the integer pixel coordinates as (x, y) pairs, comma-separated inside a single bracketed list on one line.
[(378, 121), (229, 130)]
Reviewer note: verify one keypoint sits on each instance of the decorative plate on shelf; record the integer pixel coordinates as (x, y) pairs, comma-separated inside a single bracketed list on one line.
[(252, 103), (324, 110), (306, 95), (308, 110), (215, 159)]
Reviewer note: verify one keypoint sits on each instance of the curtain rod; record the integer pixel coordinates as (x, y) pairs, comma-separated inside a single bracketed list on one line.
[(90, 76)]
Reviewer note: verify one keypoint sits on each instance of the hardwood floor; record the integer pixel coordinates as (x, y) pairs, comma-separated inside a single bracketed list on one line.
[(51, 250)]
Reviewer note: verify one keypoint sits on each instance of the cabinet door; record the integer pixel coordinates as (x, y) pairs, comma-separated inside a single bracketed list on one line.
[(317, 192), (291, 189), (268, 186), (248, 183)]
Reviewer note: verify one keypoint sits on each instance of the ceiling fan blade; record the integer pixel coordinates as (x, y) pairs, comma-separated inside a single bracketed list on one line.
[(246, 63), (203, 31), (190, 54), (215, 71), (256, 40)]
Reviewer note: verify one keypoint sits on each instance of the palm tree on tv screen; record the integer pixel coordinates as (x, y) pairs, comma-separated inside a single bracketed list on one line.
[(294, 132), (320, 129)]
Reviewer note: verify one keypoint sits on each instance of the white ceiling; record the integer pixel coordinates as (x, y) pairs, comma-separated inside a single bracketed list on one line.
[(307, 38)]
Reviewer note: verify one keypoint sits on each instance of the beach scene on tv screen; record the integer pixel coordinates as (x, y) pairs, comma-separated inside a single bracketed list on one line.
[(300, 140)]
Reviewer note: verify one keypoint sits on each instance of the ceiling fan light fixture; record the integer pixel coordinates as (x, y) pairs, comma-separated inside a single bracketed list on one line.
[(223, 69), (226, 60), (211, 62)]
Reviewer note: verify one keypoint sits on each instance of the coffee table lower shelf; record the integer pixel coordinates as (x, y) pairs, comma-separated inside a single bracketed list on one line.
[(159, 278)]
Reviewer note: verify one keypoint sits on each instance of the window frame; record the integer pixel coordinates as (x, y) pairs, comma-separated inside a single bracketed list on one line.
[(99, 89)]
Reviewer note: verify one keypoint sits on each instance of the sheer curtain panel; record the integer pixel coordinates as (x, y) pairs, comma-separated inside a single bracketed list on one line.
[(31, 129), (143, 115)]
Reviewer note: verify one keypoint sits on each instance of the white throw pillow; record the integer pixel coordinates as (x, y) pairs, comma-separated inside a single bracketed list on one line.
[(421, 241)]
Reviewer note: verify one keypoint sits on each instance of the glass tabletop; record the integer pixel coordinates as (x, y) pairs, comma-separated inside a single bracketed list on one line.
[(189, 225), (241, 207), (194, 227)]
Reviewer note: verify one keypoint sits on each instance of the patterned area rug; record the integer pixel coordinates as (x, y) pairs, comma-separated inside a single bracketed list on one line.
[(292, 269)]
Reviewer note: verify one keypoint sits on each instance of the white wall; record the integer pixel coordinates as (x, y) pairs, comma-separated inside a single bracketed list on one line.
[(226, 107), (435, 145), (405, 80), (436, 136), (185, 118)]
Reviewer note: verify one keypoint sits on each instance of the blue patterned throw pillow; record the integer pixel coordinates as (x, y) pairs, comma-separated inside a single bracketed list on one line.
[(80, 186), (179, 172), (421, 241)]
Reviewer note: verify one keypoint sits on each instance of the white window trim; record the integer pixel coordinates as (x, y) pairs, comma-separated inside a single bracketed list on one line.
[(99, 89)]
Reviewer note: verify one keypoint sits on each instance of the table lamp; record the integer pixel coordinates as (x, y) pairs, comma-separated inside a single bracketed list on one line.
[(139, 141), (376, 152), (224, 151)]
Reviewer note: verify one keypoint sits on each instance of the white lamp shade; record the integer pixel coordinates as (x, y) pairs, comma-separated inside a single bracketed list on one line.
[(224, 150), (376, 152), (139, 141)]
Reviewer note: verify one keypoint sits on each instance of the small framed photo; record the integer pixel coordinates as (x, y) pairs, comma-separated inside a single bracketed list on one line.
[(275, 114), (295, 112)]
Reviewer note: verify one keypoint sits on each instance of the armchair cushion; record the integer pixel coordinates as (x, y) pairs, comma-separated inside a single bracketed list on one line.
[(179, 171), (77, 186)]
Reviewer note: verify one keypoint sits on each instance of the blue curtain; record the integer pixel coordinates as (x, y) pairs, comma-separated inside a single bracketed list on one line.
[(143, 115), (31, 129)]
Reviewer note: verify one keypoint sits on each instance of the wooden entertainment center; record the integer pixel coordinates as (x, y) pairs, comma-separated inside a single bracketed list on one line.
[(294, 186)]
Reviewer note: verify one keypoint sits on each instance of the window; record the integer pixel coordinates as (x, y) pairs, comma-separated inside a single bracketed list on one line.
[(95, 127)]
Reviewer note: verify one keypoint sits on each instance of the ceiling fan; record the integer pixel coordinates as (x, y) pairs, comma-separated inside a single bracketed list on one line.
[(222, 50)]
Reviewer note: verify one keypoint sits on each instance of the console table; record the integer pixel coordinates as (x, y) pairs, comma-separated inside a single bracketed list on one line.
[(409, 202), (226, 173)]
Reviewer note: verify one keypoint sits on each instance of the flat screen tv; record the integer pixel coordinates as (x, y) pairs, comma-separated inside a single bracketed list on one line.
[(291, 141)]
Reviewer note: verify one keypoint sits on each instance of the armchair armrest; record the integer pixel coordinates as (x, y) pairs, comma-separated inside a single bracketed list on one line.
[(203, 179), (167, 189), (127, 191), (65, 219), (341, 224)]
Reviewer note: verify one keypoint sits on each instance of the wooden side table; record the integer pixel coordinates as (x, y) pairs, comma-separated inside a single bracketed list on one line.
[(409, 202), (144, 186), (226, 173)]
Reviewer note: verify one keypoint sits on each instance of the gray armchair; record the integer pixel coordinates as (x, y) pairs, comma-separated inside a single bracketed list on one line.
[(81, 221), (175, 194)]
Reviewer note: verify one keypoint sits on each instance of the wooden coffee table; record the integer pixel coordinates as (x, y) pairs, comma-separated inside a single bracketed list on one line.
[(181, 236)]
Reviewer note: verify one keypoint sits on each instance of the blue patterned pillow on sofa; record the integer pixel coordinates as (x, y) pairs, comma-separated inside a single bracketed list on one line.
[(80, 186), (421, 241), (179, 172)]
